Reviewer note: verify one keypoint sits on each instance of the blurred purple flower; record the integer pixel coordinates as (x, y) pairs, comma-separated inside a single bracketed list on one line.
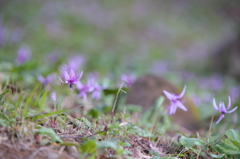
[(234, 92), (23, 55), (214, 82), (129, 79), (74, 63), (84, 89), (49, 79), (175, 101), (70, 78), (222, 108), (54, 97), (96, 89)]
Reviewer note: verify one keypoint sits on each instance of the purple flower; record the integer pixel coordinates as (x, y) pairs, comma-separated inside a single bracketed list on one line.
[(45, 81), (223, 109), (54, 97), (129, 79), (175, 101), (74, 63), (96, 89), (84, 89), (70, 78), (23, 55)]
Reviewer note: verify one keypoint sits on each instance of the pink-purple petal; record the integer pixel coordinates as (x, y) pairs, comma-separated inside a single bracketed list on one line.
[(229, 102), (169, 95), (80, 76), (232, 110), (181, 106), (72, 75), (215, 105), (66, 75), (220, 118), (182, 93)]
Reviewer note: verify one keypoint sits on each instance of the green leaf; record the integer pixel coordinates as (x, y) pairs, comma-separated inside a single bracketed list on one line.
[(42, 101), (132, 108), (113, 91), (89, 147), (3, 93), (4, 117), (217, 156), (233, 135), (49, 132), (139, 131), (113, 144), (107, 144), (29, 101), (164, 158), (225, 146), (68, 144), (159, 103), (85, 121), (190, 142), (94, 113), (34, 118)]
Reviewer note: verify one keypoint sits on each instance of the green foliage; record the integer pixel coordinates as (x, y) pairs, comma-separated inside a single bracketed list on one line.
[(49, 132), (40, 116), (229, 145), (191, 142), (217, 156), (2, 95), (85, 121), (113, 91), (94, 113), (88, 146), (164, 158), (5, 120), (113, 144)]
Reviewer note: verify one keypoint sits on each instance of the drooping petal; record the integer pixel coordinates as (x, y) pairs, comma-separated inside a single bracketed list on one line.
[(181, 106), (220, 118), (60, 79), (80, 76), (79, 85), (41, 79), (171, 109), (215, 105), (174, 109), (182, 93), (229, 102), (169, 95), (72, 75), (222, 107), (66, 75), (232, 110)]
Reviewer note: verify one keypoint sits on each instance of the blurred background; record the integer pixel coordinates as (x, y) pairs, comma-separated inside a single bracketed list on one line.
[(189, 42), (131, 34)]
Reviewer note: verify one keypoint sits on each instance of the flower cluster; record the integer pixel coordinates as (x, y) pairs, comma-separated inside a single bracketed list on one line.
[(175, 103), (91, 85)]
